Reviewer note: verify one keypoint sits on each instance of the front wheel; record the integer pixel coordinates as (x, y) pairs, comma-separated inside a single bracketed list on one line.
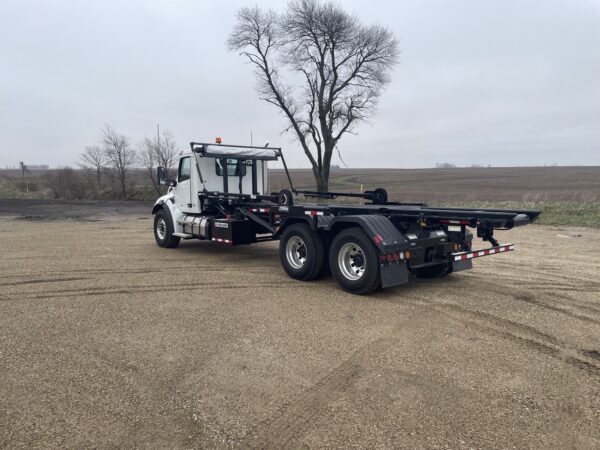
[(353, 262), (301, 252), (163, 230)]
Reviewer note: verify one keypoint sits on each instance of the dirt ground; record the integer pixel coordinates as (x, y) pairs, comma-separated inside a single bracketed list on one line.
[(107, 340)]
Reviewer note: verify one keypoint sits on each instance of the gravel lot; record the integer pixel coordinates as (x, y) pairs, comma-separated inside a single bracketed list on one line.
[(107, 340)]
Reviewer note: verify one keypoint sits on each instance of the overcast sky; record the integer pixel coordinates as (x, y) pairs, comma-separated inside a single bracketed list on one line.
[(500, 82)]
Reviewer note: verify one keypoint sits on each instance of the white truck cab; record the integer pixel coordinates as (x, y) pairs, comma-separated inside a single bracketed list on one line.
[(236, 171)]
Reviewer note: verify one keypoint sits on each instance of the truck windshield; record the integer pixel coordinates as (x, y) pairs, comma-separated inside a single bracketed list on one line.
[(235, 167)]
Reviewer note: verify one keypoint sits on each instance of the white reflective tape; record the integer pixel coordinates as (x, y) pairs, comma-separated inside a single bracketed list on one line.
[(477, 253)]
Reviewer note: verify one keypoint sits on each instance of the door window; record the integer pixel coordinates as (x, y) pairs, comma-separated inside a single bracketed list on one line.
[(185, 167)]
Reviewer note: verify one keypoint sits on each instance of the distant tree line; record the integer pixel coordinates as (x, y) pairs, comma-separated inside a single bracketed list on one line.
[(453, 166), (108, 166)]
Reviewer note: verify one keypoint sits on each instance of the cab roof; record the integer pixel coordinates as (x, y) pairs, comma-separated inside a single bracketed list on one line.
[(236, 151)]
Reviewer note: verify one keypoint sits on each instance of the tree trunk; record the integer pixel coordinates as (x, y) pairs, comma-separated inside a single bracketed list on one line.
[(123, 187), (321, 172), (322, 182)]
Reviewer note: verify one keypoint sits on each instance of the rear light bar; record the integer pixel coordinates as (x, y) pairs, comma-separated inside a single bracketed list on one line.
[(394, 257), (457, 222), (478, 253)]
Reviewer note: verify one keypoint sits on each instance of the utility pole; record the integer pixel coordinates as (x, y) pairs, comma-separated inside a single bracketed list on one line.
[(158, 138), (22, 164), (251, 144)]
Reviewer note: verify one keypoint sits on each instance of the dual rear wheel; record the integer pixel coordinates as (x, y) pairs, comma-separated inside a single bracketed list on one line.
[(352, 257)]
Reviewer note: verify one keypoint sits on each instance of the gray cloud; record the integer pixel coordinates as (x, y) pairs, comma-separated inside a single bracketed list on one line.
[(480, 82)]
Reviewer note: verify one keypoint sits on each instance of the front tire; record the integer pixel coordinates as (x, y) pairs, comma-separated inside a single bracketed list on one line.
[(353, 262), (163, 230), (301, 252)]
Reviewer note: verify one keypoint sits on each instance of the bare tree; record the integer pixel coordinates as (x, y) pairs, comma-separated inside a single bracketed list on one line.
[(343, 67), (147, 156), (119, 154), (166, 150), (158, 151), (95, 158)]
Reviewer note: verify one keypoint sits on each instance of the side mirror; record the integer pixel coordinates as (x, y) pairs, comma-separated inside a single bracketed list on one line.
[(161, 175)]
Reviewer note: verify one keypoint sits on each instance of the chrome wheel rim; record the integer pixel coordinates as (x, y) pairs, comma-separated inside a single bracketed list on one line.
[(295, 252), (352, 261), (161, 228)]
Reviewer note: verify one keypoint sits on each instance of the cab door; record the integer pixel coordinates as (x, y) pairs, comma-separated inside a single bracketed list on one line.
[(183, 190)]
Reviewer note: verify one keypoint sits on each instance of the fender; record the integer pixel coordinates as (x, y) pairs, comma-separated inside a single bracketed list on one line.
[(162, 200), (167, 202), (385, 236)]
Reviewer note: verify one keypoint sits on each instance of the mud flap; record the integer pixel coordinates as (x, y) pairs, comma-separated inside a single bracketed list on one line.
[(465, 264), (393, 274)]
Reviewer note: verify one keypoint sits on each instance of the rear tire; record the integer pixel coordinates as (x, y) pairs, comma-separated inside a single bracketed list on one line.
[(353, 262), (163, 230), (301, 252)]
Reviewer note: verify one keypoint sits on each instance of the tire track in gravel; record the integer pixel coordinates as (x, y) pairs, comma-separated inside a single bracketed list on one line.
[(144, 271), (43, 280), (129, 289), (525, 295), (516, 332), (538, 277), (570, 301), (528, 298), (295, 417)]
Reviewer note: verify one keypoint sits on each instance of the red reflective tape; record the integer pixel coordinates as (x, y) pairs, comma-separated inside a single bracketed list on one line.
[(478, 253), (377, 239)]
